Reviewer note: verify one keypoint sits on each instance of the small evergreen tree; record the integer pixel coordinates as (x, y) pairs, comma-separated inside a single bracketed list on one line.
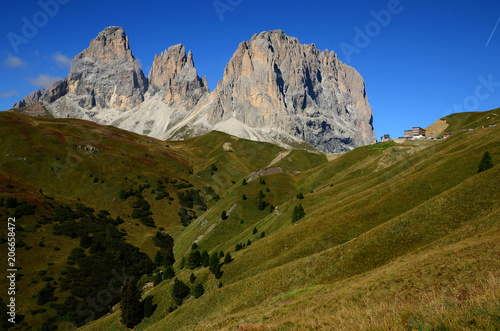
[(223, 215), (298, 213), (221, 254), (214, 261), (217, 272), (131, 307), (267, 189), (214, 167), (486, 162), (300, 196), (244, 181), (194, 246), (198, 290), (227, 258), (194, 260), (179, 291), (183, 262), (205, 258), (244, 197), (261, 195), (262, 181), (220, 284), (263, 234), (169, 272), (158, 279), (249, 242), (149, 308), (192, 278)]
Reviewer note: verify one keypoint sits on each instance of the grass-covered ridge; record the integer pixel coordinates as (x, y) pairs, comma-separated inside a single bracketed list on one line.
[(394, 236)]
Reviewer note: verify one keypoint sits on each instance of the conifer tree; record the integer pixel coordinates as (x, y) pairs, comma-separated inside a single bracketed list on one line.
[(149, 308), (485, 163), (244, 181), (194, 260), (214, 261), (198, 290), (223, 216), (244, 197), (205, 258), (158, 279), (298, 213), (169, 272), (217, 272), (192, 278), (183, 263), (179, 291), (227, 258), (131, 307)]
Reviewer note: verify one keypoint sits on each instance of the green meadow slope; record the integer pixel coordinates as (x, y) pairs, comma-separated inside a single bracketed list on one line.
[(394, 236)]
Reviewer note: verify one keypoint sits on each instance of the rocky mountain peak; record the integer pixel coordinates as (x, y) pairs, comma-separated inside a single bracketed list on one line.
[(293, 88), (174, 76), (105, 75), (109, 44)]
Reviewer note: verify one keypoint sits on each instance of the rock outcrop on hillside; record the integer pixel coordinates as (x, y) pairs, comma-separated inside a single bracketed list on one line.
[(274, 89)]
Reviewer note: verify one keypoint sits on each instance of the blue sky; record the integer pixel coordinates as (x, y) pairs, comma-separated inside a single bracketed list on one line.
[(420, 59)]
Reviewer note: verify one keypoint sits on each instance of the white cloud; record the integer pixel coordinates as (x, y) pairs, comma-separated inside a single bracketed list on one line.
[(8, 93), (62, 60), (13, 62), (44, 80)]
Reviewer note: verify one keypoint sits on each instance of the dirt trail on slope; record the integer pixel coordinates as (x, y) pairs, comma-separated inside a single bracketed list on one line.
[(279, 157)]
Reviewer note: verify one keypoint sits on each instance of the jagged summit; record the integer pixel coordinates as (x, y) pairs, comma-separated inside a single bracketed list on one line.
[(174, 76), (274, 89)]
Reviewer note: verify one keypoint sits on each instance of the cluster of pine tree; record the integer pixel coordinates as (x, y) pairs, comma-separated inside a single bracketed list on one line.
[(142, 211), (103, 253), (188, 199)]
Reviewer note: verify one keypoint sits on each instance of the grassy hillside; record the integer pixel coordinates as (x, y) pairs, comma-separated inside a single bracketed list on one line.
[(465, 121), (394, 236)]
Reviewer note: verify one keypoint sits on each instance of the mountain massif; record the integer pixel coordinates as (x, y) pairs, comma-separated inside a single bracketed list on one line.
[(274, 89)]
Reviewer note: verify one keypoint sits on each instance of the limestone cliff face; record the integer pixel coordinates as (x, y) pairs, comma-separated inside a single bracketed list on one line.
[(274, 89), (273, 82), (105, 75), (175, 78)]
